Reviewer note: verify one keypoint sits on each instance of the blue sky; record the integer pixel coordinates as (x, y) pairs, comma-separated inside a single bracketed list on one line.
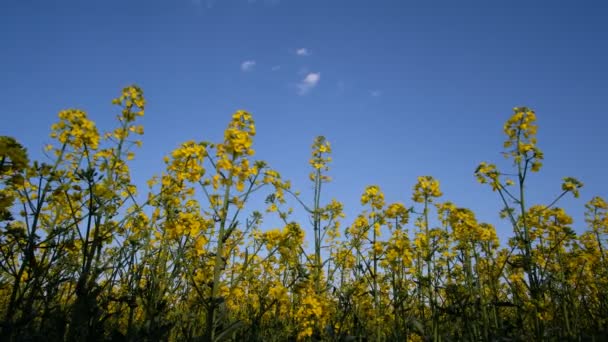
[(400, 88)]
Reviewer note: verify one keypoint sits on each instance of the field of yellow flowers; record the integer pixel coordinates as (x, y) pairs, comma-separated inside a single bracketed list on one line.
[(82, 258)]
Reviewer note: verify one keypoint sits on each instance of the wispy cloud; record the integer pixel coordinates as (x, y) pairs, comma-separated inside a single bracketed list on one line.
[(375, 93), (303, 52), (247, 65), (310, 81), (276, 68)]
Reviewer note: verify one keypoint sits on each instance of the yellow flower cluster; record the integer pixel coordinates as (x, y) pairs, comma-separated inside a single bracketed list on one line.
[(287, 240), (320, 158), (187, 161), (238, 136), (597, 215), (399, 250), (345, 257), (374, 196), (487, 233), (487, 173), (76, 129), (273, 178), (187, 223), (320, 148), (467, 230), (552, 223), (522, 122), (359, 229), (426, 188), (398, 213), (598, 202), (572, 185), (463, 223), (521, 132), (333, 210), (133, 103), (309, 313), (232, 154), (421, 241)]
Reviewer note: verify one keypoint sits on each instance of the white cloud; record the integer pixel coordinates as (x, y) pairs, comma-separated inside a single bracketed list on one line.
[(375, 93), (276, 68), (247, 65), (302, 52), (310, 81)]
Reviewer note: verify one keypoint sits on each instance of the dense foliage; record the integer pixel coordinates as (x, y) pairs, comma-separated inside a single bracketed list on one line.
[(81, 258)]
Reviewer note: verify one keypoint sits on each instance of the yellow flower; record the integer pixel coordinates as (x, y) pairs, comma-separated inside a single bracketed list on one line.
[(426, 188), (319, 161), (76, 129), (374, 196), (572, 185), (398, 212), (521, 130)]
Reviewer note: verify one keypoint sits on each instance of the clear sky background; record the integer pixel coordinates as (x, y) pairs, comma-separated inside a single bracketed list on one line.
[(400, 88)]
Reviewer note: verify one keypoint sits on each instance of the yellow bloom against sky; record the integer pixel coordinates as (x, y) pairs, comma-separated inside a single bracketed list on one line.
[(426, 99)]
